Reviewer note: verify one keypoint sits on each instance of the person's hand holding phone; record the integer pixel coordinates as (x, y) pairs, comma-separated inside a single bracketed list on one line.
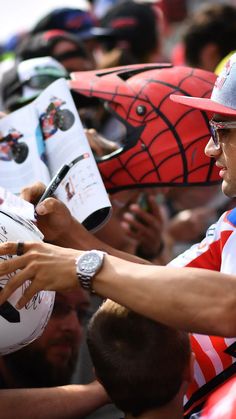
[(145, 222)]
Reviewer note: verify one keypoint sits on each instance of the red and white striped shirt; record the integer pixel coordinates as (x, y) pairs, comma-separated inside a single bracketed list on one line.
[(215, 356)]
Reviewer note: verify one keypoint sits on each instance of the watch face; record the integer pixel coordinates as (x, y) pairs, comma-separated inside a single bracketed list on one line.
[(90, 262)]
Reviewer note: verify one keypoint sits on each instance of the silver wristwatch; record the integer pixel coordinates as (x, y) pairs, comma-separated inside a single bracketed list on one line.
[(87, 266)]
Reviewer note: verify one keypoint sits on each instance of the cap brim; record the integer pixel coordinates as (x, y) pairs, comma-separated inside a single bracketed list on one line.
[(203, 104), (96, 32)]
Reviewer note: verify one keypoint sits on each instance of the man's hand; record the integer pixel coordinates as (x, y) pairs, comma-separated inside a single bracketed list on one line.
[(54, 218), (190, 224), (48, 267), (60, 228), (146, 227), (100, 145)]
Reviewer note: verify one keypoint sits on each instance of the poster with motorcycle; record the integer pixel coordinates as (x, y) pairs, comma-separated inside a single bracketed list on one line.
[(38, 139), (21, 144)]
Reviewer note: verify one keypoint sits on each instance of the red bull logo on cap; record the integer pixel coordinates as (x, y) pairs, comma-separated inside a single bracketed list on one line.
[(220, 81)]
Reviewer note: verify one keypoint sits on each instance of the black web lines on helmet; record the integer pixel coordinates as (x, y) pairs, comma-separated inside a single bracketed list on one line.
[(164, 143)]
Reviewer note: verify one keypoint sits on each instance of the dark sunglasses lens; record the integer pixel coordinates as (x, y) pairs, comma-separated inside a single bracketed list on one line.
[(41, 81), (214, 136)]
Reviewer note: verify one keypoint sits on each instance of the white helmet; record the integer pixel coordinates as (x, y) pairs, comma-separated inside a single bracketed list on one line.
[(20, 327)]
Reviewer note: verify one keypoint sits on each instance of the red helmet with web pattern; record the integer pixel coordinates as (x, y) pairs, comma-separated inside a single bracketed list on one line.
[(165, 141)]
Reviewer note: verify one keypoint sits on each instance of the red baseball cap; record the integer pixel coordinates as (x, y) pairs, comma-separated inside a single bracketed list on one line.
[(223, 97)]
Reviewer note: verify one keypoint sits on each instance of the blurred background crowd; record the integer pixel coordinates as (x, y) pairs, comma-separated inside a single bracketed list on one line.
[(156, 224)]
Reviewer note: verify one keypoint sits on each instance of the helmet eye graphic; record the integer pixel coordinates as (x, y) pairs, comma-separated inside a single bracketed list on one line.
[(141, 110)]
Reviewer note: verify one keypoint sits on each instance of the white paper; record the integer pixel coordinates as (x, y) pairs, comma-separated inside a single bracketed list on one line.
[(14, 204), (51, 128)]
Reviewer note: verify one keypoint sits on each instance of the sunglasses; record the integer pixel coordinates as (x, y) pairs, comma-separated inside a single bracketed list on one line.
[(37, 82), (41, 81), (217, 130)]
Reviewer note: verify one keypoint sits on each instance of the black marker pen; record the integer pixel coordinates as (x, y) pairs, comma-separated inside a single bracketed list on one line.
[(56, 180)]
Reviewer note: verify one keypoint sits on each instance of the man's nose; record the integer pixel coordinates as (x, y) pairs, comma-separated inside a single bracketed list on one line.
[(211, 150)]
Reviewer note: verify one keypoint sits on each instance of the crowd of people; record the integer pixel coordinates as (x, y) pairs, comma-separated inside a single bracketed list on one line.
[(129, 336)]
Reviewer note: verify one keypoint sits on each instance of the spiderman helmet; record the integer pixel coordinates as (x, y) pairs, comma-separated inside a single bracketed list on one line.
[(164, 141), (20, 327)]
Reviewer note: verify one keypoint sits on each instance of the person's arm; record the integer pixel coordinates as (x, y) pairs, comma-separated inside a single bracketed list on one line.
[(60, 228), (196, 300), (70, 402), (193, 299)]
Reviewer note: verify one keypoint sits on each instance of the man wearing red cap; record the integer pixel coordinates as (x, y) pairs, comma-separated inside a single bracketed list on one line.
[(200, 300)]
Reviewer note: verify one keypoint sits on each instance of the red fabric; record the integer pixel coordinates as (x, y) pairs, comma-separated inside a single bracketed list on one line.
[(222, 403)]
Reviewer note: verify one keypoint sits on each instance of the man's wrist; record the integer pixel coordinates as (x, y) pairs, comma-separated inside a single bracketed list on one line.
[(88, 264)]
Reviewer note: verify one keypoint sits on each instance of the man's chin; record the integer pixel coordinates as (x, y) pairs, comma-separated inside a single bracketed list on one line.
[(228, 190), (61, 355), (33, 368)]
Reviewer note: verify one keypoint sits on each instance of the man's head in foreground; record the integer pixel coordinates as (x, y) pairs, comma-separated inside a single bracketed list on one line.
[(51, 359), (222, 107), (143, 365)]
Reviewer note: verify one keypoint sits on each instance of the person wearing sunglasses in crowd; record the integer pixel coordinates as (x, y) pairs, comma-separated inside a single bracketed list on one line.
[(65, 47), (46, 366), (51, 359), (25, 80), (196, 300)]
